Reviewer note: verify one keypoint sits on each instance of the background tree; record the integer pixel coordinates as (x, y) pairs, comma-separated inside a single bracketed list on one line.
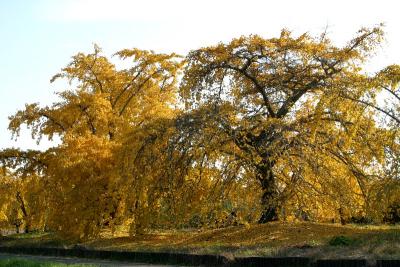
[(94, 119), (385, 99), (22, 201)]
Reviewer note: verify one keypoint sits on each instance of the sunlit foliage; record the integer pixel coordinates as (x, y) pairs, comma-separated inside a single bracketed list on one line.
[(287, 128)]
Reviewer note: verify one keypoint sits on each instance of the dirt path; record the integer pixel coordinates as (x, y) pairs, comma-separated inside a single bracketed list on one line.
[(100, 263)]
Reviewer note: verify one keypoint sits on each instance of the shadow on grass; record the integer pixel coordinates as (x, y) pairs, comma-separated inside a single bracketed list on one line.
[(30, 263)]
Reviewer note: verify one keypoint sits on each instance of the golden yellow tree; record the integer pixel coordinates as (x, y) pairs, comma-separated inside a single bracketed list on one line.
[(282, 102), (293, 121), (94, 119), (22, 201)]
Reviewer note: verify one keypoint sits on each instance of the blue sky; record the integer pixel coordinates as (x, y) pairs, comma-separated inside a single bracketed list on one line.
[(38, 38)]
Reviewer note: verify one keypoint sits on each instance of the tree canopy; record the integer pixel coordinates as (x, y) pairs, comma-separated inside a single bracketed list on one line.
[(254, 130)]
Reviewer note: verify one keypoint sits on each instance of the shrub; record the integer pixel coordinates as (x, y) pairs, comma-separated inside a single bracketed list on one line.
[(392, 214), (360, 220), (195, 221), (340, 241)]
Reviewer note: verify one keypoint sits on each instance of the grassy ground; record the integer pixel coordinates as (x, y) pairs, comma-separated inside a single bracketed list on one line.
[(273, 239), (26, 263)]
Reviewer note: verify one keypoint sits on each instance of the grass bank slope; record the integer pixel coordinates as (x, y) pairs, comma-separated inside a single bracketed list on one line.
[(313, 240)]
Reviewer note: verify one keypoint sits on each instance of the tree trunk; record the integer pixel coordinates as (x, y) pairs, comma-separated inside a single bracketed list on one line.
[(24, 212), (341, 215), (27, 228), (269, 201)]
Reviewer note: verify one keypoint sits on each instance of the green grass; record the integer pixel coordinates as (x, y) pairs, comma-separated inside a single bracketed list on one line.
[(29, 263)]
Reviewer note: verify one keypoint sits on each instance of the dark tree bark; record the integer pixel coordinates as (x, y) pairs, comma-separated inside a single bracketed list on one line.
[(269, 201), (24, 212), (342, 217)]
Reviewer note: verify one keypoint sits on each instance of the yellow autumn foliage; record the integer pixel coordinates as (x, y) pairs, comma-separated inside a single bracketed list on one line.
[(254, 130)]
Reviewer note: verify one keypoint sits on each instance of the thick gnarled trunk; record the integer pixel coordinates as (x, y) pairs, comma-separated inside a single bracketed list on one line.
[(269, 201)]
